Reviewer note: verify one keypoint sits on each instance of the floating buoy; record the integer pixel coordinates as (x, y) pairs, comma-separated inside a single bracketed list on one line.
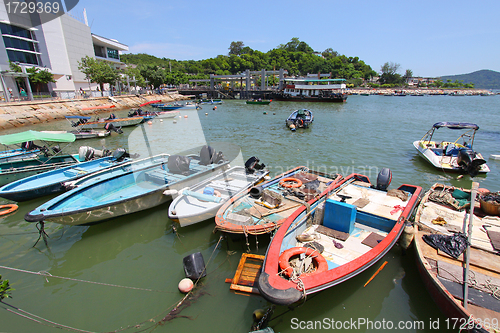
[(9, 208), (215, 108), (185, 116), (180, 116), (265, 112), (175, 121), (274, 113), (185, 285), (258, 314), (161, 120), (150, 122), (206, 114)]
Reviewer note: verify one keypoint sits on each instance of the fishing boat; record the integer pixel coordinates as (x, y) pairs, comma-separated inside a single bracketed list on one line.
[(146, 115), (84, 123), (458, 156), (82, 133), (167, 114), (51, 182), (170, 107), (123, 193), (456, 246), (48, 158), (312, 90), (202, 201), (301, 118), (210, 101), (259, 101), (262, 209), (348, 229)]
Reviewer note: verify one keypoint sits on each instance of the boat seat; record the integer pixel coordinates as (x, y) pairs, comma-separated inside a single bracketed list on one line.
[(339, 216)]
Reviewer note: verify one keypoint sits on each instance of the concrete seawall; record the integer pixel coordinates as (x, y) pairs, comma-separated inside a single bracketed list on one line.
[(18, 114)]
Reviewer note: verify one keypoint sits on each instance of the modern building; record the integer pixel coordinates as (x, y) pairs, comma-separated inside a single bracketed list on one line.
[(57, 46)]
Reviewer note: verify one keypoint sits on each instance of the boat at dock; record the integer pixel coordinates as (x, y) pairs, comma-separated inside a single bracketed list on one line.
[(301, 118), (83, 123), (210, 101), (263, 209), (312, 90), (121, 193), (459, 155), (349, 228), (456, 247), (48, 158), (52, 182), (202, 201), (258, 101)]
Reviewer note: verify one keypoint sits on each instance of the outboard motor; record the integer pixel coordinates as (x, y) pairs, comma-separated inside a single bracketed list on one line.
[(29, 145), (86, 153), (111, 117), (467, 160), (111, 127), (120, 154), (384, 179), (79, 122), (56, 149), (208, 155), (252, 164)]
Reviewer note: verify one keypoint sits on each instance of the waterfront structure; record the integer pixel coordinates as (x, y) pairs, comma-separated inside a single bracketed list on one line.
[(57, 46)]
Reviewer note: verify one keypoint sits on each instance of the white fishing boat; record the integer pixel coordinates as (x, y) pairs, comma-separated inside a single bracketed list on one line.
[(202, 201)]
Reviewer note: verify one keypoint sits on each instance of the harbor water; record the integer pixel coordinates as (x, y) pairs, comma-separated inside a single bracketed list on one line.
[(122, 275)]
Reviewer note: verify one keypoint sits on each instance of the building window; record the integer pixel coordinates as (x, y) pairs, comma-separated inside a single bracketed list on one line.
[(112, 53), (99, 51), (16, 40)]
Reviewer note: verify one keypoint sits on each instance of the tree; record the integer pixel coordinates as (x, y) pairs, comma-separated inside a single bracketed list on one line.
[(153, 74), (329, 53), (39, 77), (389, 73), (236, 48), (97, 71)]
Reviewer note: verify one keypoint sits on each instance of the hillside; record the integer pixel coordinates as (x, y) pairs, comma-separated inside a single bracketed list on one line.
[(483, 79)]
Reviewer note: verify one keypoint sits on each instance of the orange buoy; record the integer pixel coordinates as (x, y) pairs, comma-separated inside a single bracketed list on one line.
[(290, 182), (150, 122), (10, 208)]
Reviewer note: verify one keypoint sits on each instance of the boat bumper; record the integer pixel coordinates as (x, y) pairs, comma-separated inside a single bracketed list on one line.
[(277, 296)]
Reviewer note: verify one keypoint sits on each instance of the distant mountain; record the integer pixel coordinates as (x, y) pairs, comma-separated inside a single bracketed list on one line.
[(483, 79)]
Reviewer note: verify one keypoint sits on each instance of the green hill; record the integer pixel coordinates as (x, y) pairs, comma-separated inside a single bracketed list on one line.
[(483, 79)]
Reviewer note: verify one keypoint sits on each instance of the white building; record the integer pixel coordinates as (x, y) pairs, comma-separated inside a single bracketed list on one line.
[(57, 45)]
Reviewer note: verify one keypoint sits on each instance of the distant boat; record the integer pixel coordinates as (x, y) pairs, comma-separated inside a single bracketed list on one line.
[(128, 192), (169, 107), (301, 118), (210, 101), (312, 90)]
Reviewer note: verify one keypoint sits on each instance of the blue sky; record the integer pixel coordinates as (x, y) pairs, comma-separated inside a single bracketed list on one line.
[(431, 38)]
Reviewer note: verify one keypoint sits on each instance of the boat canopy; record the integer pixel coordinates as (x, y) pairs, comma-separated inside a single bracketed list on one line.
[(455, 125), (77, 117), (314, 80), (10, 139)]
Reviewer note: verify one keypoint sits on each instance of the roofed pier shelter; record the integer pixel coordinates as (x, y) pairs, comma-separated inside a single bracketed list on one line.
[(245, 79)]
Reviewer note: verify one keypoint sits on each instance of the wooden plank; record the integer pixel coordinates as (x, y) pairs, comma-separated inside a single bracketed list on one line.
[(247, 273)]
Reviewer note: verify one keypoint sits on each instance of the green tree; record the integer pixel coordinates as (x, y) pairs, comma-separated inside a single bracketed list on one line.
[(97, 71), (39, 77), (389, 73), (236, 48), (153, 74)]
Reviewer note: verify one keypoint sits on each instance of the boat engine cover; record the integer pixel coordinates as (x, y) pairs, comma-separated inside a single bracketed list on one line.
[(384, 179)]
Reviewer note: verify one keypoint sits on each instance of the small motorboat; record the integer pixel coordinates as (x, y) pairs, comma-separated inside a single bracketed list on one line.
[(301, 118), (170, 107), (458, 156), (122, 193), (84, 123), (346, 230), (262, 209), (202, 201), (51, 182), (12, 169), (141, 113), (167, 114), (210, 101), (456, 247)]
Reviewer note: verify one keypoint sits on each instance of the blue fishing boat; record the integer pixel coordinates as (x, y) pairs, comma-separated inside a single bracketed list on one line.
[(51, 182), (299, 119), (170, 107), (128, 192), (16, 154), (48, 159)]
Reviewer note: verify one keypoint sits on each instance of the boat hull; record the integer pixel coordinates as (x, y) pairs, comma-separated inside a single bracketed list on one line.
[(341, 98), (123, 122)]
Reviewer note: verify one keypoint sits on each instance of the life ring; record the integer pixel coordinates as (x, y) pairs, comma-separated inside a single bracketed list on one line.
[(296, 182), (318, 260), (300, 122), (10, 208)]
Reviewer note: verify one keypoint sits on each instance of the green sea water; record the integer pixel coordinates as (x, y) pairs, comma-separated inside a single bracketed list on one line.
[(122, 275)]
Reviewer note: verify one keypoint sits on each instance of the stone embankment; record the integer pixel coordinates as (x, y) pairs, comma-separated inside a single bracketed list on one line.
[(18, 114), (425, 91)]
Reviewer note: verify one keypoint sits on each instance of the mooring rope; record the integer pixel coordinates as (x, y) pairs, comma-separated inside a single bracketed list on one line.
[(47, 274)]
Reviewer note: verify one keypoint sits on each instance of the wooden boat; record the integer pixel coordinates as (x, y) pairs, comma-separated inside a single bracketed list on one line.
[(348, 229), (259, 102), (202, 201), (474, 273), (301, 118), (312, 90), (32, 164), (457, 156), (107, 197), (264, 208), (51, 182)]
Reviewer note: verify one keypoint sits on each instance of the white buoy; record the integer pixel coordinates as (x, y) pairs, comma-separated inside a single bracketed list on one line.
[(206, 113), (185, 285), (161, 120)]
